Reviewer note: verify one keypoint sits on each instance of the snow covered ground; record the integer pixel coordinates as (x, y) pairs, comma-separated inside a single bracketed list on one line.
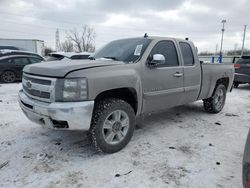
[(182, 147)]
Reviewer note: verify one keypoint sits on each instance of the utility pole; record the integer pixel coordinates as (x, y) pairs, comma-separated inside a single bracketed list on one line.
[(222, 35), (57, 40), (243, 42), (235, 48), (216, 49)]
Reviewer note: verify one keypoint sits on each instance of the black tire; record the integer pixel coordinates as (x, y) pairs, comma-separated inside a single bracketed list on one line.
[(8, 77), (236, 84), (211, 104), (104, 110)]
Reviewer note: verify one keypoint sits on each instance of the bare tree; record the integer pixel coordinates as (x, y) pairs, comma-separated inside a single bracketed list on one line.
[(67, 46), (84, 41), (47, 50)]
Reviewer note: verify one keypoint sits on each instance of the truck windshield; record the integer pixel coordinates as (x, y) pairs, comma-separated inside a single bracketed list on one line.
[(126, 50)]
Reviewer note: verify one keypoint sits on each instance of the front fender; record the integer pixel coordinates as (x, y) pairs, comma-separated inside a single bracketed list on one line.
[(115, 77)]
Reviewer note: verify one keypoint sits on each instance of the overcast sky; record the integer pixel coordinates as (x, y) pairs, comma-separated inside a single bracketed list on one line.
[(114, 19)]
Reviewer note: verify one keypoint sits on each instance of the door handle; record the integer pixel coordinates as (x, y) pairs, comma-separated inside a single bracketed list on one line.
[(177, 74)]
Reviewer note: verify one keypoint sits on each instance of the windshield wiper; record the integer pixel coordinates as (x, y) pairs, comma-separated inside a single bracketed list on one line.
[(113, 58)]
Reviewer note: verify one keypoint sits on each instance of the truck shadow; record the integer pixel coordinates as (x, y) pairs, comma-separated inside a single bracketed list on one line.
[(176, 114), (77, 143)]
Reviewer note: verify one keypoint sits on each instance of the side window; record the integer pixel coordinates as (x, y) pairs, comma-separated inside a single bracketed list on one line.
[(187, 54), (6, 61), (243, 61), (21, 61), (34, 60), (168, 50)]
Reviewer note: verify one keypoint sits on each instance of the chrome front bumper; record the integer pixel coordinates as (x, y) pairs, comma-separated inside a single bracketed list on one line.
[(72, 115)]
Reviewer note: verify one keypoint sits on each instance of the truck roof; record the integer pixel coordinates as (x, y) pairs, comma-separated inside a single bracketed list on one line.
[(161, 38), (165, 38)]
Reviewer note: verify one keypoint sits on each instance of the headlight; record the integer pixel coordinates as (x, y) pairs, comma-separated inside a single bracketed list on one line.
[(74, 89)]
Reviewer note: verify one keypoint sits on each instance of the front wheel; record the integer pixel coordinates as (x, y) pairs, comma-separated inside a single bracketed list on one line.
[(112, 125), (216, 103)]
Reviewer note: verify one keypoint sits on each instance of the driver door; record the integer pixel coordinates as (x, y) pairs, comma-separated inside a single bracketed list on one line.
[(163, 83)]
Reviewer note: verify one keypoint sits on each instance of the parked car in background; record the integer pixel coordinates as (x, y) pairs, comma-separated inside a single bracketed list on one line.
[(120, 83), (246, 164), (242, 71), (67, 55), (31, 45), (9, 48), (7, 52), (11, 66)]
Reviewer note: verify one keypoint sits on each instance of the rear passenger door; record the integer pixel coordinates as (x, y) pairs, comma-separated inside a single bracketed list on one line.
[(19, 63), (6, 64), (163, 84), (192, 73)]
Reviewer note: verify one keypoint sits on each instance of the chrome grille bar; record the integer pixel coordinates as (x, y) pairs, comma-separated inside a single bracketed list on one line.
[(38, 87)]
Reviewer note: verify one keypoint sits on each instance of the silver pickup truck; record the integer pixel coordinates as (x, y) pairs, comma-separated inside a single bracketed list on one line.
[(119, 84)]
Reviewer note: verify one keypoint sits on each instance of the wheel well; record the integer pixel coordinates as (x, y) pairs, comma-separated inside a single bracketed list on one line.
[(127, 94), (8, 70), (224, 81)]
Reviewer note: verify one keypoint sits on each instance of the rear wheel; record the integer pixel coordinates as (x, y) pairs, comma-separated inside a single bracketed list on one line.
[(216, 103), (112, 125), (236, 84), (8, 77)]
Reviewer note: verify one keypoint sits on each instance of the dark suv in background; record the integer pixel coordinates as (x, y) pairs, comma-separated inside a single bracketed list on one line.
[(11, 66), (242, 71)]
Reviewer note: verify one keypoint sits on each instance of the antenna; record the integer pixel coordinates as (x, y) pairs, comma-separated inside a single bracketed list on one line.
[(145, 35)]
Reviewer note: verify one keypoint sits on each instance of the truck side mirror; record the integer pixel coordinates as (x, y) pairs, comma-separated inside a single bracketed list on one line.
[(156, 59)]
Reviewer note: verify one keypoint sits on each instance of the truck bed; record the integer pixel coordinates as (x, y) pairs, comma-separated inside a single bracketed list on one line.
[(210, 74)]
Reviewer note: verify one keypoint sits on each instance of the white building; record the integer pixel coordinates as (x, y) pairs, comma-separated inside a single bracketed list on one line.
[(32, 45)]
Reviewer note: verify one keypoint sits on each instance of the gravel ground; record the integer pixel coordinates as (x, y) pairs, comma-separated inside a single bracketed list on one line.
[(182, 147)]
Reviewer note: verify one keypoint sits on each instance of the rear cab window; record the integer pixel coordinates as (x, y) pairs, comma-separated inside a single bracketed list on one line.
[(187, 54)]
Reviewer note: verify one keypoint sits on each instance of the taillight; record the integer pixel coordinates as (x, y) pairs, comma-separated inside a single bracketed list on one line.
[(237, 66), (247, 180), (248, 183)]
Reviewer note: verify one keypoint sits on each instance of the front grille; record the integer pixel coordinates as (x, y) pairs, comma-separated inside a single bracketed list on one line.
[(38, 81), (37, 93), (40, 88)]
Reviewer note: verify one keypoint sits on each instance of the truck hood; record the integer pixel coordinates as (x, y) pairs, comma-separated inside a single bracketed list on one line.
[(61, 68)]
